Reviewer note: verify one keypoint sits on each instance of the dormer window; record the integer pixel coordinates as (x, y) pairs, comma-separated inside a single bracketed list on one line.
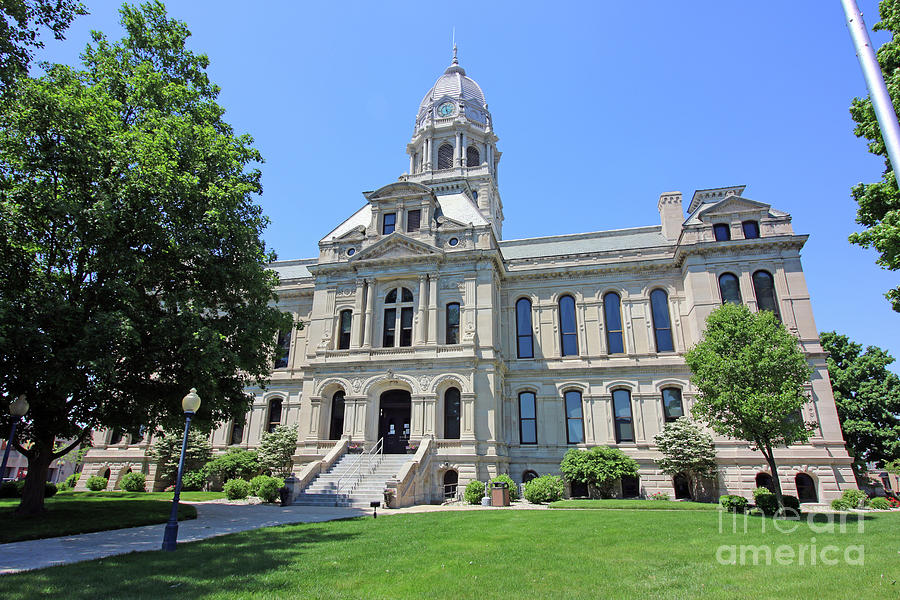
[(389, 223), (751, 230), (722, 232), (413, 220)]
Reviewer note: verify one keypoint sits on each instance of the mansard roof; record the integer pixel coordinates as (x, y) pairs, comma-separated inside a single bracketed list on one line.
[(292, 269), (583, 243)]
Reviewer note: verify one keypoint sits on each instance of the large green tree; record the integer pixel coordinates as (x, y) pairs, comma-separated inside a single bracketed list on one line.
[(879, 203), (131, 261), (867, 397), (687, 449), (598, 467), (751, 377)]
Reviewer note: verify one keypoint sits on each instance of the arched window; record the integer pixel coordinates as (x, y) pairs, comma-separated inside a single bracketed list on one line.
[(622, 411), (612, 310), (344, 333), (574, 418), (765, 480), (451, 481), (806, 488), (729, 288), (751, 230), (337, 416), (237, 432), (284, 349), (529, 475), (672, 406), (662, 326), (445, 156), (451, 414), (631, 487), (398, 317), (473, 158), (527, 418), (567, 329), (453, 323), (682, 487), (274, 414), (764, 286), (722, 232), (106, 474), (524, 336)]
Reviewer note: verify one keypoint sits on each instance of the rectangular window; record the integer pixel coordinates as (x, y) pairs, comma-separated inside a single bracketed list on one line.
[(453, 323), (751, 230), (390, 326), (413, 220), (622, 410), (527, 418), (284, 349), (524, 339), (237, 432), (389, 223), (574, 418), (672, 406), (722, 232), (346, 321), (406, 319)]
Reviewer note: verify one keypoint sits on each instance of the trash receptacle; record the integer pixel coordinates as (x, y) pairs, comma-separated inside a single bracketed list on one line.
[(499, 493)]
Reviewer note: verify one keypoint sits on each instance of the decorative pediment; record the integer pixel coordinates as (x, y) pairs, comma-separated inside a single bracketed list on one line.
[(399, 189), (397, 246), (733, 204), (355, 234)]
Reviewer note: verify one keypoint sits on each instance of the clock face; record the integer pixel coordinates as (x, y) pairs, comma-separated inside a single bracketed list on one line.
[(446, 109)]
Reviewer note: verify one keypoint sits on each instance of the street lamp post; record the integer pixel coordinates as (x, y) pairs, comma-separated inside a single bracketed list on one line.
[(190, 404), (17, 408)]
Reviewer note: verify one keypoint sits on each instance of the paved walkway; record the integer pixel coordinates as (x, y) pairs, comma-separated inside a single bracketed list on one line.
[(213, 519)]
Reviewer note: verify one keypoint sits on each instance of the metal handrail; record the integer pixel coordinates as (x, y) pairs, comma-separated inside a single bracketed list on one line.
[(355, 471)]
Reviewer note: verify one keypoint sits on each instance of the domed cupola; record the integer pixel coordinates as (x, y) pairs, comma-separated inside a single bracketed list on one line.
[(454, 95)]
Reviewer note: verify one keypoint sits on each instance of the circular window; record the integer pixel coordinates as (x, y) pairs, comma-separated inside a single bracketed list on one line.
[(453, 241), (351, 251)]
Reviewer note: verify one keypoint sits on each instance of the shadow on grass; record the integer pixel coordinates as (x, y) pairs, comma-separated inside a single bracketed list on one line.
[(237, 564)]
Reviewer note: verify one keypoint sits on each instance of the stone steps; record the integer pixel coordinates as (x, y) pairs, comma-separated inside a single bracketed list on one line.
[(369, 488)]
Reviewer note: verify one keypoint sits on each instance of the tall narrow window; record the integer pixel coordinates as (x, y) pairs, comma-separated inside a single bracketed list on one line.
[(622, 410), (567, 329), (612, 310), (662, 325), (751, 230), (344, 336), (445, 156), (237, 431), (391, 315), (406, 320), (574, 418), (284, 349), (672, 406), (524, 336), (527, 418), (729, 288), (472, 157), (390, 327), (337, 416), (274, 414), (389, 223), (722, 232), (413, 220), (453, 323), (764, 286), (452, 411)]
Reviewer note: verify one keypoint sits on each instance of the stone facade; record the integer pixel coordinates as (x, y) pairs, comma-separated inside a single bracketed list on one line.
[(416, 298)]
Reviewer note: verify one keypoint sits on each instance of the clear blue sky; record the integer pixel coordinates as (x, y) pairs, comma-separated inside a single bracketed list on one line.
[(600, 107)]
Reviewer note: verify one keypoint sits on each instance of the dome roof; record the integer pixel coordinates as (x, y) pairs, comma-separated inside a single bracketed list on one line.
[(454, 84)]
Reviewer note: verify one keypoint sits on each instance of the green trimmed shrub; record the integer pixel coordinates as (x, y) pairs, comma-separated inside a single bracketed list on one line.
[(72, 480), (256, 482), (237, 489), (880, 504), (765, 500), (547, 488), (791, 502), (267, 488), (513, 487), (133, 482), (840, 504), (732, 503), (50, 489), (95, 483), (193, 481), (854, 497), (474, 492)]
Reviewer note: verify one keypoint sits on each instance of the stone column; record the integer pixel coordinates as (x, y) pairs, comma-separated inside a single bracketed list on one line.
[(356, 324), (430, 402), (432, 308), (462, 149), (370, 312), (412, 158), (420, 313), (417, 417), (467, 416)]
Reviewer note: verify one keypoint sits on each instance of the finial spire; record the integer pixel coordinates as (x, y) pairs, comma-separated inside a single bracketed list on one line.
[(455, 60)]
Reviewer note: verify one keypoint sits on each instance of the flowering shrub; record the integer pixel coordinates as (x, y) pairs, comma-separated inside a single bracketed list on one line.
[(880, 504), (659, 496)]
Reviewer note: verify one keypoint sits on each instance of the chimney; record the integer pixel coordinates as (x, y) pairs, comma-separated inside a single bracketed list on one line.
[(671, 215)]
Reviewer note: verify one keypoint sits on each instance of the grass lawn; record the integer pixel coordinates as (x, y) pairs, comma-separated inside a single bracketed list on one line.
[(634, 504), (166, 496), (491, 554), (83, 512)]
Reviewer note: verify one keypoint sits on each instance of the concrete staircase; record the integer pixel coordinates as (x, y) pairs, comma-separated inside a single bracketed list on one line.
[(323, 489)]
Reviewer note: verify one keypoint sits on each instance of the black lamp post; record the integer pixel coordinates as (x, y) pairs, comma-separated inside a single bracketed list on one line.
[(17, 408), (190, 404)]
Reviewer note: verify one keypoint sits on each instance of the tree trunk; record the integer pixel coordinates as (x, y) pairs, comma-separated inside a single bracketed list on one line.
[(39, 460), (776, 481)]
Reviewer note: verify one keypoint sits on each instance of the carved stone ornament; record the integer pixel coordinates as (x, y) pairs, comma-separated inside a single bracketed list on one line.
[(346, 291), (423, 381), (356, 383)]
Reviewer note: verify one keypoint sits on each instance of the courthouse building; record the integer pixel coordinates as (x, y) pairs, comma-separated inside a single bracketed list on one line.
[(470, 355)]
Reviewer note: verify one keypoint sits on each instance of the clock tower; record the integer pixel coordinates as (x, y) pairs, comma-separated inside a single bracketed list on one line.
[(453, 147)]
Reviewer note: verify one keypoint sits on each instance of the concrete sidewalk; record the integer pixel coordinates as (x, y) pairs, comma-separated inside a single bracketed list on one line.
[(213, 519)]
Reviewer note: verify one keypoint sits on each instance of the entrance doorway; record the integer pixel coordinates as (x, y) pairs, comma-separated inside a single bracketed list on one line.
[(393, 420)]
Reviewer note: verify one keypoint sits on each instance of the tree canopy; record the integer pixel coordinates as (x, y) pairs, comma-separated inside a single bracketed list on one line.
[(276, 449), (131, 261), (687, 449), (867, 397), (598, 467), (879, 202), (751, 379)]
